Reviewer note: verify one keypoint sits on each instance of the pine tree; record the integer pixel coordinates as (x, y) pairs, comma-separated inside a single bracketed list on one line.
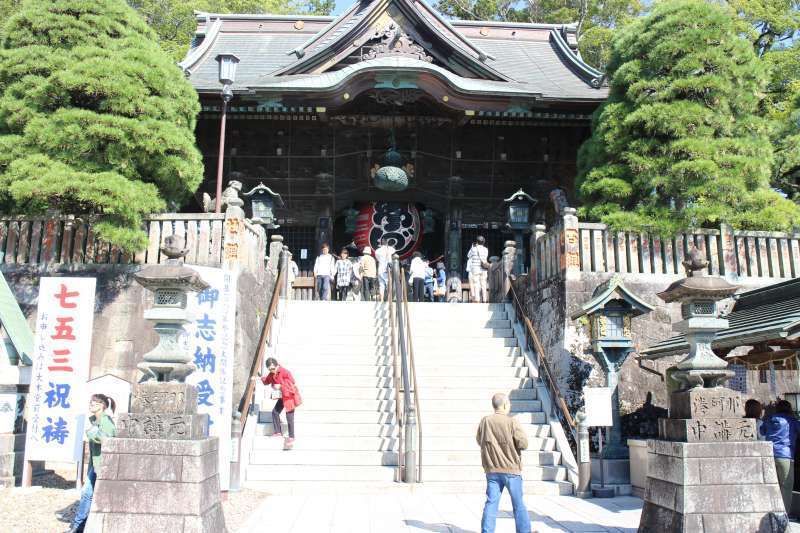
[(94, 117), (679, 143)]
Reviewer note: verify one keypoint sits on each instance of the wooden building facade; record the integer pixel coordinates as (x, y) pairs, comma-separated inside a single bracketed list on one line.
[(389, 120)]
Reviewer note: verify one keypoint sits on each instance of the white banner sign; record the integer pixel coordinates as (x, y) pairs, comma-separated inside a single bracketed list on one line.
[(598, 406), (57, 401), (210, 342)]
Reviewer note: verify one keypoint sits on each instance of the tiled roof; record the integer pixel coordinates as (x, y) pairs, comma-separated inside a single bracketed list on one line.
[(768, 313), (535, 58)]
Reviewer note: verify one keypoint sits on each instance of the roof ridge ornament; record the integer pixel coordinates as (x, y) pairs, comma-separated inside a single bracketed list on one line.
[(395, 42)]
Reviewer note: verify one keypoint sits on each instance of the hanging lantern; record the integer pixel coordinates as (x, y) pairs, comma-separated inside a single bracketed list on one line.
[(390, 177), (398, 222)]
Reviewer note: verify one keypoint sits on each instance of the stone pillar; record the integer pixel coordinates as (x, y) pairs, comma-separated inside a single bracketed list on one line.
[(538, 232), (233, 241), (570, 245), (728, 244), (275, 249)]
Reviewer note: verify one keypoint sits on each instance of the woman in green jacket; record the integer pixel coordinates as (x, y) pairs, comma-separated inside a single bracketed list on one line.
[(102, 427)]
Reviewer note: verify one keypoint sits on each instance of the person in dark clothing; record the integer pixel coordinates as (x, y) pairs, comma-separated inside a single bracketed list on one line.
[(781, 429)]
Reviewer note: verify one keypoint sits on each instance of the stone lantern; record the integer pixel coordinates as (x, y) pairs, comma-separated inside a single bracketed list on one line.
[(263, 201), (609, 313), (707, 472), (519, 221), (165, 465), (170, 283)]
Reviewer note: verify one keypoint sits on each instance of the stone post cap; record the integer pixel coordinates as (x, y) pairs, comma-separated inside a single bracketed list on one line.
[(569, 211), (276, 238)]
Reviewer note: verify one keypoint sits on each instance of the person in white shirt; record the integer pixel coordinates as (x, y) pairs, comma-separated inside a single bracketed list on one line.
[(478, 270), (384, 255), (417, 276), (324, 271)]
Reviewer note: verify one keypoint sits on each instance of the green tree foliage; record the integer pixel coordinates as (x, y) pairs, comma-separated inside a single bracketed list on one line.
[(174, 20), (94, 116), (596, 19), (679, 143)]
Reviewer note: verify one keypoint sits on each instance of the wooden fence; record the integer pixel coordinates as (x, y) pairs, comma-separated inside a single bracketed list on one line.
[(591, 247), (72, 240)]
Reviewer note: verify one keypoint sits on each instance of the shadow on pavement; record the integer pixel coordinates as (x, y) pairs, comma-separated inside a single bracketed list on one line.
[(437, 528)]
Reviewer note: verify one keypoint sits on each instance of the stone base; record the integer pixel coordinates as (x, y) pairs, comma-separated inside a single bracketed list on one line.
[(12, 455), (711, 487), (162, 426), (157, 485), (613, 471), (618, 489)]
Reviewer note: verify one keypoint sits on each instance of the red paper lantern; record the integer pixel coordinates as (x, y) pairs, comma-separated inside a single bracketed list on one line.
[(398, 222)]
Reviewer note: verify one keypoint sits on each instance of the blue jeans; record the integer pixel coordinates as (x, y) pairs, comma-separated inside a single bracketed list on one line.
[(324, 287), (494, 488), (79, 521)]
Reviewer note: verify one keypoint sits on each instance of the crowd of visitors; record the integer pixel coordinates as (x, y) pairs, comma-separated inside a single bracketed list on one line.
[(366, 277)]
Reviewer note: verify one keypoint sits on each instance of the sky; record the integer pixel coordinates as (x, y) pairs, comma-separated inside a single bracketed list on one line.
[(341, 5)]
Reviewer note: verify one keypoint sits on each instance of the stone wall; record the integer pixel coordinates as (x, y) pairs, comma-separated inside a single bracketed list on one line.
[(120, 335), (550, 305)]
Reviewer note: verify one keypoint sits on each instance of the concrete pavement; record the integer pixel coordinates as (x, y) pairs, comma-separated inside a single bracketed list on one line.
[(422, 510)]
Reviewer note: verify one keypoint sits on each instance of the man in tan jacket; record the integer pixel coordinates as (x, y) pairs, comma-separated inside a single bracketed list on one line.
[(502, 440)]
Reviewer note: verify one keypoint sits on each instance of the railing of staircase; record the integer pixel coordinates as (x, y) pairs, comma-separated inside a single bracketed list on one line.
[(410, 408), (413, 367), (280, 289), (396, 378), (558, 405)]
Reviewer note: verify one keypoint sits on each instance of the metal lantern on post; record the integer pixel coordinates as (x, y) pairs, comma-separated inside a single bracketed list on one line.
[(227, 77), (609, 313), (263, 201), (519, 220)]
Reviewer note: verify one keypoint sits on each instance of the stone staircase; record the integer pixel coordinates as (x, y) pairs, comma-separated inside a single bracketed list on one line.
[(464, 354), (340, 355), (345, 429)]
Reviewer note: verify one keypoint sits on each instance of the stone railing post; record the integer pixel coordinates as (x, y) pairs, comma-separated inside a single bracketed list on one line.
[(233, 233), (275, 249), (538, 231), (728, 268), (570, 245)]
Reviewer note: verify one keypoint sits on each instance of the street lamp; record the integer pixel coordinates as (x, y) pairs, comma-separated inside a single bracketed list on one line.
[(519, 215), (262, 205), (227, 77), (609, 313)]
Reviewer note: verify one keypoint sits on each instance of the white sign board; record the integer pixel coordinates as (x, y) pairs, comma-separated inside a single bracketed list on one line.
[(210, 342), (58, 401), (598, 406)]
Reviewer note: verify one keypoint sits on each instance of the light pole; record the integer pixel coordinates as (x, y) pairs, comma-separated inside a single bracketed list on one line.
[(227, 75)]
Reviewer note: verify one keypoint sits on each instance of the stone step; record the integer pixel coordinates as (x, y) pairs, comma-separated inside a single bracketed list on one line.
[(290, 350), (388, 417), (467, 417), (446, 458), (346, 392), (303, 371), (313, 342), (531, 487), (288, 487), (466, 331), (474, 393), (330, 443), (422, 360), (436, 430), (474, 407), (476, 473), (301, 472), (496, 383), (333, 429), (467, 443), (276, 455)]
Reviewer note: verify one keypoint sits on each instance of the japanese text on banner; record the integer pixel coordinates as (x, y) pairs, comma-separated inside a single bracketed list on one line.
[(57, 400), (210, 341)]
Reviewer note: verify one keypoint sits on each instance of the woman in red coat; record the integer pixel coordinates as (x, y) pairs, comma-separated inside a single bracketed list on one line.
[(284, 388)]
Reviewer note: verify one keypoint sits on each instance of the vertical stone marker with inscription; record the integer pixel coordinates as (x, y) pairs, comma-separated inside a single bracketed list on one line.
[(707, 472), (161, 472)]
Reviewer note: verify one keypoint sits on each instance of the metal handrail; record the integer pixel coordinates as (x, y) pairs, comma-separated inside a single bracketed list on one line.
[(534, 342), (398, 410), (409, 423), (413, 380), (247, 397)]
